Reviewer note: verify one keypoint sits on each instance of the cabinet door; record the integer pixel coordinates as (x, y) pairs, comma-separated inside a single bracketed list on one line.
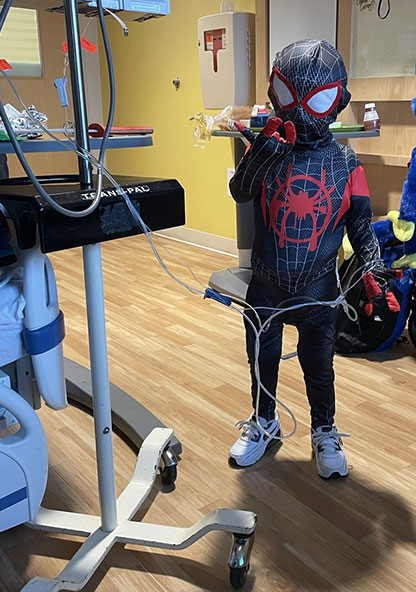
[(280, 22), (292, 20)]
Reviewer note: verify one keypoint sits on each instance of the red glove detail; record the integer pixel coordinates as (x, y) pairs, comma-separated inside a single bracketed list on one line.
[(290, 132), (378, 298), (273, 124), (271, 127), (370, 285), (392, 302), (239, 126), (369, 308)]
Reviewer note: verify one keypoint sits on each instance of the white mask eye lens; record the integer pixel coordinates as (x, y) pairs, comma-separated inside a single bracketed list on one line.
[(283, 92), (324, 101)]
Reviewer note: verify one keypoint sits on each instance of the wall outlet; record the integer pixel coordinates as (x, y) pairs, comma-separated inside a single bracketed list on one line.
[(230, 173)]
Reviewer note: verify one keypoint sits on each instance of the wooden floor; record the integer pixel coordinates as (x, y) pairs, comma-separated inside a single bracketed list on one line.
[(183, 357)]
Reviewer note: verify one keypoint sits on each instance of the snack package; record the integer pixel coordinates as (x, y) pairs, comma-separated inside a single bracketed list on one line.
[(204, 124)]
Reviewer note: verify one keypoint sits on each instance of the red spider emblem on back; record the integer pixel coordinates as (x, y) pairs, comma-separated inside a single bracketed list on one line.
[(298, 207)]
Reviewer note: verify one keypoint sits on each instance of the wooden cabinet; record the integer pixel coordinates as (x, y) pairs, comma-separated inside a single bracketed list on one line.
[(385, 158)]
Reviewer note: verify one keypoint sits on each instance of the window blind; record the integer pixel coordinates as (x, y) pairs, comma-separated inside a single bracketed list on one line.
[(19, 42)]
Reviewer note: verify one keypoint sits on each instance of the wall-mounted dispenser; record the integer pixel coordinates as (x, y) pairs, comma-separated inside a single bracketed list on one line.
[(226, 58)]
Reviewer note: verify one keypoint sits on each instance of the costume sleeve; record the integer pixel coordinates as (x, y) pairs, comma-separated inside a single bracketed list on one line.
[(359, 220), (252, 171), (238, 194), (267, 149), (248, 178)]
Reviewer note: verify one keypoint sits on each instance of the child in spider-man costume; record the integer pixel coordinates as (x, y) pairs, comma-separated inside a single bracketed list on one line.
[(306, 188)]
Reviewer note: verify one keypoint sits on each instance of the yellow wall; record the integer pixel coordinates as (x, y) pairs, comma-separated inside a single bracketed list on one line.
[(146, 62)]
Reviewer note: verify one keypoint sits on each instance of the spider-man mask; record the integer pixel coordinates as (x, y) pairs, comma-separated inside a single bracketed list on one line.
[(308, 85)]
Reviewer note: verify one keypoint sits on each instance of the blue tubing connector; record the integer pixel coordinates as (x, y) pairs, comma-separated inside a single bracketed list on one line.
[(210, 293)]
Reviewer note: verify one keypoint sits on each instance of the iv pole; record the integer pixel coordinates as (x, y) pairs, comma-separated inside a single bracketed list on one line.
[(115, 525), (93, 290)]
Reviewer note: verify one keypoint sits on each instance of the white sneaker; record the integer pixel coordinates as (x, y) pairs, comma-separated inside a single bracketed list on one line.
[(328, 452), (254, 442)]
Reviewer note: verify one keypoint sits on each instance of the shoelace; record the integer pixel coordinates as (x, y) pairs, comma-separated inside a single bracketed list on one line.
[(251, 431), (328, 438)]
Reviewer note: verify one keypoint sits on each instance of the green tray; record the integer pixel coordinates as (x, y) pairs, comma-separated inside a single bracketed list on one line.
[(347, 128)]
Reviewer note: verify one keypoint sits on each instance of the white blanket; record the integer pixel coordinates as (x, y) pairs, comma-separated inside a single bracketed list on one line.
[(12, 304)]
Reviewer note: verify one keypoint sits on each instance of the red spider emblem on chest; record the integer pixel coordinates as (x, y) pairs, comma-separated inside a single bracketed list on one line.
[(298, 208)]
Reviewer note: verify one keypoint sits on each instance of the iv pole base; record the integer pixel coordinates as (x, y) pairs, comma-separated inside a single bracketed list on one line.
[(98, 544)]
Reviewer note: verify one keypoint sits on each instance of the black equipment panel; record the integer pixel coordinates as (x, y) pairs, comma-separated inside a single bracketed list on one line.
[(160, 202)]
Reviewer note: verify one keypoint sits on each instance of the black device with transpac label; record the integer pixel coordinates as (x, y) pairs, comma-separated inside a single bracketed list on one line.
[(160, 203)]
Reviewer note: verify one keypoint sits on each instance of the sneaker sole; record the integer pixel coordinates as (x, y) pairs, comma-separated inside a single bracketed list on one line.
[(334, 475), (253, 459)]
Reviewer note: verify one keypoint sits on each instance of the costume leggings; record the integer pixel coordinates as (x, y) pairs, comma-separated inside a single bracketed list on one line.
[(315, 325)]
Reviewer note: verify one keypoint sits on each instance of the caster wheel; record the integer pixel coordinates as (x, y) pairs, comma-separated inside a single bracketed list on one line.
[(168, 467), (411, 327), (238, 576), (239, 562), (169, 474)]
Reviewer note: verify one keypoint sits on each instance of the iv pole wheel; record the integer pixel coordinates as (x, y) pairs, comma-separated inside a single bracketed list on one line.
[(238, 576), (168, 467), (239, 562)]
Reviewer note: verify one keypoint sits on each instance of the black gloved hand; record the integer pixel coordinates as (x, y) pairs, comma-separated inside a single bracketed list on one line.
[(265, 152), (381, 298)]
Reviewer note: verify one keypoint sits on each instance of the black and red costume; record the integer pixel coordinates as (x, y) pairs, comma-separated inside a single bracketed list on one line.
[(305, 189)]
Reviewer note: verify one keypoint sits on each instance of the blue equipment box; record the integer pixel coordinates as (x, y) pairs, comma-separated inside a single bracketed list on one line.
[(147, 6)]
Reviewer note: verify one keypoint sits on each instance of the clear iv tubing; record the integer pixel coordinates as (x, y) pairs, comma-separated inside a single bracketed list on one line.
[(71, 146), (136, 216), (262, 326), (34, 180)]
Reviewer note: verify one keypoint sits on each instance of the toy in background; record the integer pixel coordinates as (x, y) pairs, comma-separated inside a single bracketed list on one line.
[(404, 221), (377, 329)]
